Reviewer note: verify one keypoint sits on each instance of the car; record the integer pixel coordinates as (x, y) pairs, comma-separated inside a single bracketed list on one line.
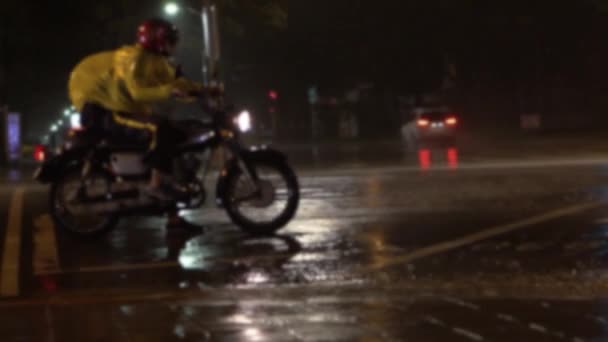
[(430, 124)]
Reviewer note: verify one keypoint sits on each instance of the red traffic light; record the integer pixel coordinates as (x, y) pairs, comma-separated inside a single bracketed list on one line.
[(273, 95)]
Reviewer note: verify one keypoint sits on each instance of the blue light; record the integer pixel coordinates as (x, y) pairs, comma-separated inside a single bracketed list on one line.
[(13, 130)]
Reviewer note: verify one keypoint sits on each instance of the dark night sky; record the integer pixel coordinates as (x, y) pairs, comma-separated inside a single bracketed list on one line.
[(407, 46), (505, 57), (42, 41)]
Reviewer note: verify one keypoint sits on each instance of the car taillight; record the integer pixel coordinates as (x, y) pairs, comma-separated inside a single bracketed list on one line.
[(423, 122), (39, 154), (451, 121)]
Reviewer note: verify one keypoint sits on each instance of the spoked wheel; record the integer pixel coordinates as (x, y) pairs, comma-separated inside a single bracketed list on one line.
[(265, 207), (70, 210)]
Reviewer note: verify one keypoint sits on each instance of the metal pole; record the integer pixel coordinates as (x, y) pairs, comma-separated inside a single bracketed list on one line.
[(215, 41), (205, 51), (211, 41)]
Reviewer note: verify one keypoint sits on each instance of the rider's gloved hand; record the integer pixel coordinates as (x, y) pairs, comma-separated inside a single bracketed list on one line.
[(216, 90), (185, 88)]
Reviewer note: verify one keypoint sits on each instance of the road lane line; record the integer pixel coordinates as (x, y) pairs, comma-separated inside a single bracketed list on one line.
[(483, 235), (46, 256), (9, 273), (602, 221), (49, 323), (114, 268), (471, 166)]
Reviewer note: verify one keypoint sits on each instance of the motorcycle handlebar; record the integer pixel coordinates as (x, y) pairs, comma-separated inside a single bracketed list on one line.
[(211, 100)]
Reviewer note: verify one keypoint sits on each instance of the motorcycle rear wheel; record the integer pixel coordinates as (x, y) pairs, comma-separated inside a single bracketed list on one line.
[(73, 216)]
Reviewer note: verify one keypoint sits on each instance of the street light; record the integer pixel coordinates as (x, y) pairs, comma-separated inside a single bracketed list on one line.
[(211, 45), (172, 9), (75, 121), (54, 128)]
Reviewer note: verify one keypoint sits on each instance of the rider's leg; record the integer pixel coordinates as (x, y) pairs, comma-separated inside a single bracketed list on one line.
[(156, 179), (163, 148), (162, 152), (149, 124), (165, 138), (94, 119)]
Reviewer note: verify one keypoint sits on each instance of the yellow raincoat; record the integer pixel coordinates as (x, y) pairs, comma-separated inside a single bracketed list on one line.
[(127, 80)]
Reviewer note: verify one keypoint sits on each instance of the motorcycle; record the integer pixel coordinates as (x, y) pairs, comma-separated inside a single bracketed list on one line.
[(94, 185)]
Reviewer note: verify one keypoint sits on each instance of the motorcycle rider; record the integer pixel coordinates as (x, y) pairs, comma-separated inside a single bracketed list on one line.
[(115, 91)]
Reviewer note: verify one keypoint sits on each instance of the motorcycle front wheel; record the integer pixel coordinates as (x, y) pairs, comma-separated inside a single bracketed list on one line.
[(265, 207)]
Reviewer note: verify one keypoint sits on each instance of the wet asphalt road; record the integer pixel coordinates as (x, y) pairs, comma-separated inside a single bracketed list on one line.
[(437, 246)]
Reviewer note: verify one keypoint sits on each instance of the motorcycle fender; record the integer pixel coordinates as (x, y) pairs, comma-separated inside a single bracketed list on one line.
[(254, 154)]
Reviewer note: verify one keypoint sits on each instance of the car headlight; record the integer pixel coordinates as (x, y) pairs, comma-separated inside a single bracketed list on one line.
[(243, 121)]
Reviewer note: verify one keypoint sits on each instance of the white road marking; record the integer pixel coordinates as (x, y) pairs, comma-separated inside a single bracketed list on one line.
[(483, 235), (467, 333), (598, 319), (506, 318), (461, 303), (537, 327), (559, 334), (435, 321), (9, 273), (46, 257)]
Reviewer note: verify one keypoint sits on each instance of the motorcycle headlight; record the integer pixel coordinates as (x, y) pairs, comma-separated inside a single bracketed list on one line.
[(243, 121)]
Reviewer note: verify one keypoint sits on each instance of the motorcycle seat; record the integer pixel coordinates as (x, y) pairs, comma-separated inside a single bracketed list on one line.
[(131, 142), (125, 145)]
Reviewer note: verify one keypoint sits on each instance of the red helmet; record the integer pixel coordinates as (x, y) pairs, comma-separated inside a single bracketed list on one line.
[(157, 35)]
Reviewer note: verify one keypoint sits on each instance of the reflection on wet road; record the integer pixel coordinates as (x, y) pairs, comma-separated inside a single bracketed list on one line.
[(428, 158), (441, 251)]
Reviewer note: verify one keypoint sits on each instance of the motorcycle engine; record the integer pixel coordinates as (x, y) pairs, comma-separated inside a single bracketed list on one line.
[(186, 168)]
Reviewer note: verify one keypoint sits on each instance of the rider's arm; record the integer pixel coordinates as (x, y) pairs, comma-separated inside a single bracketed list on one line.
[(188, 91), (163, 92), (144, 71), (135, 81)]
